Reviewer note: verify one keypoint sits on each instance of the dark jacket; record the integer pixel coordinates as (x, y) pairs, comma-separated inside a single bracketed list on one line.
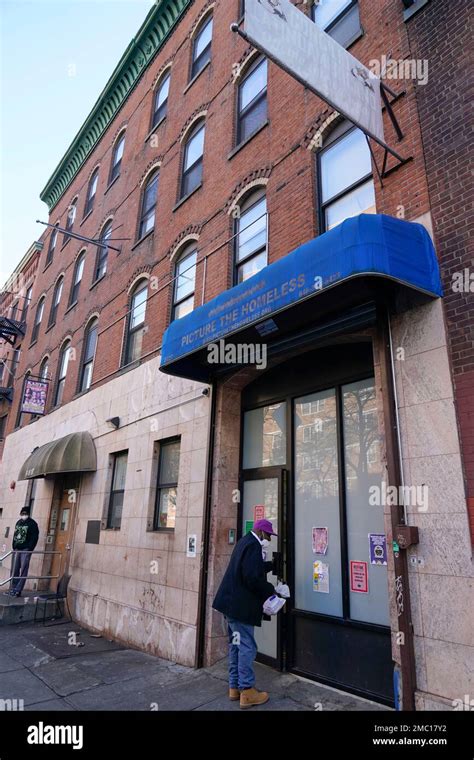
[(26, 535), (244, 587)]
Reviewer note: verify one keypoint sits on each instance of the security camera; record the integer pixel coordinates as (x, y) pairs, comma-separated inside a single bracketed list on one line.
[(205, 392)]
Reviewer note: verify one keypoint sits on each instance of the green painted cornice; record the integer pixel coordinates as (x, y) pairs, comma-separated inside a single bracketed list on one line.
[(151, 36)]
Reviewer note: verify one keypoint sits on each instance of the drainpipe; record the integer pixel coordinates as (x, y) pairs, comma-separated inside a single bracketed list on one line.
[(403, 535), (201, 625)]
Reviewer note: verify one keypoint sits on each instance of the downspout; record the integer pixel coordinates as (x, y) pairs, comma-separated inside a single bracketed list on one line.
[(397, 513), (201, 625)]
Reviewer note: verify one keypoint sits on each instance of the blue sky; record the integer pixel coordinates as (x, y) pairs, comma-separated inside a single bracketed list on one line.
[(56, 56)]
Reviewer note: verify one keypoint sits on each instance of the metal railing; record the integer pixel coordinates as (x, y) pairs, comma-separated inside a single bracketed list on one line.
[(14, 553)]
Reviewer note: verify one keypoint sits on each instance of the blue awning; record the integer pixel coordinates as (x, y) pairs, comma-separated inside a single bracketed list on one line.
[(363, 258)]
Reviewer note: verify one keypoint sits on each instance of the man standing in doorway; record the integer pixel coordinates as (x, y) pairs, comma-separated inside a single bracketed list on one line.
[(240, 597), (25, 539)]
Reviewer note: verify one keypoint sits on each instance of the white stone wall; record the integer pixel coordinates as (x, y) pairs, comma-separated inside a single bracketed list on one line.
[(442, 580), (112, 587)]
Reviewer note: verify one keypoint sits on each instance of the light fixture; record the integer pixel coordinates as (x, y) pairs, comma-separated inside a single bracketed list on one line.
[(114, 422)]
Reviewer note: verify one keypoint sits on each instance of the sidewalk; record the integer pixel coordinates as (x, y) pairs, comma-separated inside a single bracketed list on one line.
[(40, 667)]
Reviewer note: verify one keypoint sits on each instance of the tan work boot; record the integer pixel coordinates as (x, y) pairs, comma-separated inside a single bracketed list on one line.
[(234, 695), (251, 697)]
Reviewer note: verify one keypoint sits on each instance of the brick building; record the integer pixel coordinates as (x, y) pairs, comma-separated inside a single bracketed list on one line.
[(201, 173)]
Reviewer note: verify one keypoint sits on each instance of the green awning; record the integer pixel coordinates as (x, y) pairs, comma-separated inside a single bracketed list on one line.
[(72, 453)]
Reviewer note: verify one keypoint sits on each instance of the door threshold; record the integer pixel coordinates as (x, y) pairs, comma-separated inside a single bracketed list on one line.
[(340, 691)]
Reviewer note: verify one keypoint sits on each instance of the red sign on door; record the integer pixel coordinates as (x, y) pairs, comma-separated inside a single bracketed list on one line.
[(359, 577), (259, 512)]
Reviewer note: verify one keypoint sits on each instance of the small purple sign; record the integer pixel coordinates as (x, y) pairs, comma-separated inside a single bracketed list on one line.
[(378, 548)]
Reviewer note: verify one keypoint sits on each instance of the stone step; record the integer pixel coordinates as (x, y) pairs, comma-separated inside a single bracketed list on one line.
[(22, 609)]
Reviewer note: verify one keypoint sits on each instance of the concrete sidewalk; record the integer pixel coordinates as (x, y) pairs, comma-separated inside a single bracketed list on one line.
[(48, 671)]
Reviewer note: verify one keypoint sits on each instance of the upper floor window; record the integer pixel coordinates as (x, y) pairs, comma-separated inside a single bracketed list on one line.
[(64, 356), (339, 18), (193, 160), (167, 485), (44, 369), (117, 158), (26, 303), (91, 191), (202, 47), (136, 321), (150, 194), (160, 103), (252, 109), (102, 252), (251, 237), (345, 169), (185, 282), (14, 310), (90, 344), (52, 244), (56, 300), (71, 215), (77, 278), (38, 319)]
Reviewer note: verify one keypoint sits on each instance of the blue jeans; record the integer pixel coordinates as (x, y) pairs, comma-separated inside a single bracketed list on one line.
[(242, 653)]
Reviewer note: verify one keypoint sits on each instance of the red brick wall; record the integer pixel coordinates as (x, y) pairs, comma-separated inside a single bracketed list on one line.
[(278, 152), (442, 32)]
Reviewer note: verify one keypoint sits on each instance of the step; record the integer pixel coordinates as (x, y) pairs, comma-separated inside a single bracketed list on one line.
[(22, 609)]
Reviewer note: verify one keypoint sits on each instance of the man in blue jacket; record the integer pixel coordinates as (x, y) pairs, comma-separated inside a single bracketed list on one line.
[(240, 598)]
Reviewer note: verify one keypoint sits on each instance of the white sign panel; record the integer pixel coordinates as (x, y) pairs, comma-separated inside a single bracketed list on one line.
[(291, 39)]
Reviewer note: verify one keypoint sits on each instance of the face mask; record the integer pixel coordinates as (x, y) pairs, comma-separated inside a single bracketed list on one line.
[(23, 517), (265, 542)]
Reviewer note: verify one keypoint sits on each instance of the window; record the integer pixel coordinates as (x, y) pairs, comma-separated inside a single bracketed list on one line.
[(76, 283), (184, 283), (26, 303), (251, 237), (345, 170), (3, 424), (56, 300), (117, 491), (147, 216), (71, 215), (20, 415), (117, 158), (90, 344), (339, 18), (30, 495), (202, 48), (91, 191), (38, 318), (167, 486), (252, 107), (136, 321), (52, 245), (14, 310), (64, 357), (102, 253), (193, 159), (160, 107), (44, 369)]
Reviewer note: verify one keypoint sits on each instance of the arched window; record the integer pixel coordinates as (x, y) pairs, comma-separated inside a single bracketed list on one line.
[(38, 319), (64, 356), (56, 301), (202, 47), (252, 105), (339, 18), (91, 191), (251, 237), (117, 158), (71, 215), (160, 103), (184, 282), (26, 303), (90, 345), (44, 369), (77, 278), (345, 170), (147, 215), (102, 252), (136, 321), (52, 244), (193, 160)]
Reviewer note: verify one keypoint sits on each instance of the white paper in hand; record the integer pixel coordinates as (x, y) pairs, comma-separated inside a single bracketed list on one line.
[(273, 605)]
